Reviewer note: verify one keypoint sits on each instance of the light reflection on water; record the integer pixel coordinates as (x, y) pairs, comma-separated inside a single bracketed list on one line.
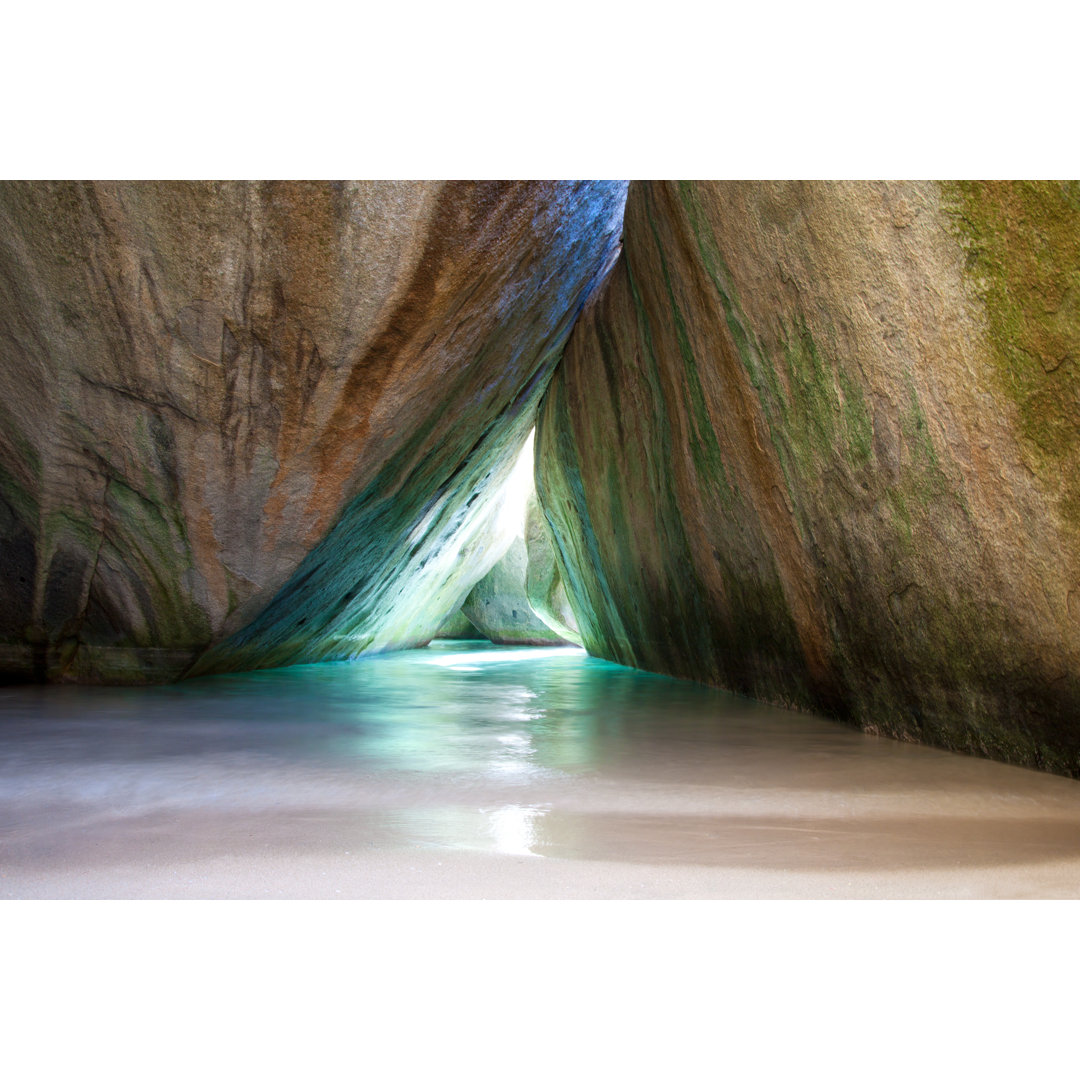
[(515, 753), (513, 828)]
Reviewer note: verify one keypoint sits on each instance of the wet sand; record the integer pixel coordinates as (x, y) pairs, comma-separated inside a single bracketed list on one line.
[(467, 771)]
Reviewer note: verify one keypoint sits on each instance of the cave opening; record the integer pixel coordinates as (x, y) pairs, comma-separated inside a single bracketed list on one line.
[(508, 603)]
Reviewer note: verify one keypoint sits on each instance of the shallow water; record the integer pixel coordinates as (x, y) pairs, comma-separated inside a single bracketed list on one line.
[(468, 770)]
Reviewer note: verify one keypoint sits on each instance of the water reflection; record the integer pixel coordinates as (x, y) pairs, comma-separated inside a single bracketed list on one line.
[(514, 829), (506, 754), (481, 657)]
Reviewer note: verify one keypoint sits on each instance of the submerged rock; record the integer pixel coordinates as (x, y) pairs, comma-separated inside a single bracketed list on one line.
[(253, 424), (498, 605), (820, 443)]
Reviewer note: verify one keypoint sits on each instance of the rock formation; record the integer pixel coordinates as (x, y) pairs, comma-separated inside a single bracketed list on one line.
[(818, 443), (456, 625), (544, 586), (245, 425), (498, 605)]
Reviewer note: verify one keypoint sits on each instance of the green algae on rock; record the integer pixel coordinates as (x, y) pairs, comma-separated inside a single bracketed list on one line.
[(251, 424), (816, 443)]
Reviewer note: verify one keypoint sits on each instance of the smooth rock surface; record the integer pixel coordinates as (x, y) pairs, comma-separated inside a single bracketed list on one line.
[(498, 605), (544, 587), (819, 443), (251, 424)]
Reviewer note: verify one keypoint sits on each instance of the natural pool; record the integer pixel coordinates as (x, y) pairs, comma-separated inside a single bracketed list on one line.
[(467, 770)]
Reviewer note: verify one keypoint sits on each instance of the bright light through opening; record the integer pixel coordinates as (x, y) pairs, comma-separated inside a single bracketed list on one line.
[(519, 486)]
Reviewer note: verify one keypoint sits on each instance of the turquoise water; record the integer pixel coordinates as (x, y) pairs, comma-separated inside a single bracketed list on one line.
[(468, 769)]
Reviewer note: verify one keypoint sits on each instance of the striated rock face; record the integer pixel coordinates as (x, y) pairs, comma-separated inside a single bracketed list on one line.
[(244, 425), (498, 605), (819, 442)]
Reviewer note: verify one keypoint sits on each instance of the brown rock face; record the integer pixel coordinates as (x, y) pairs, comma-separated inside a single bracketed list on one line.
[(257, 424), (819, 443)]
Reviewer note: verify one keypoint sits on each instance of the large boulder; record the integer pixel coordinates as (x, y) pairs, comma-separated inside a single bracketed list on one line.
[(820, 443), (498, 605), (253, 424)]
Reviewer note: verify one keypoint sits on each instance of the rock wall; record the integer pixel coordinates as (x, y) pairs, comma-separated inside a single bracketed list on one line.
[(818, 443), (544, 586), (252, 424)]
